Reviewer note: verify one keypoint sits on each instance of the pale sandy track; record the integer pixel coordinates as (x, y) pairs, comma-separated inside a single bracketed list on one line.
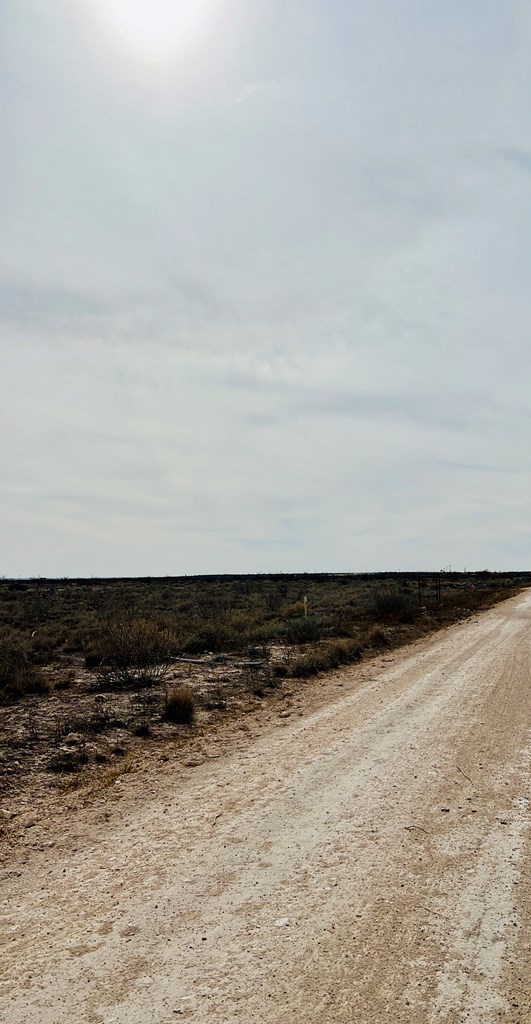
[(404, 883)]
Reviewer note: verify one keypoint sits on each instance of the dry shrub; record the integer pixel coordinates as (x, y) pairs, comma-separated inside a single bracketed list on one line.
[(180, 706), (19, 675), (131, 653), (328, 656), (392, 603), (377, 637), (231, 631), (303, 629)]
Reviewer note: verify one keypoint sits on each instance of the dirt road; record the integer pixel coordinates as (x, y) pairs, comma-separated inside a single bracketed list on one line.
[(363, 861)]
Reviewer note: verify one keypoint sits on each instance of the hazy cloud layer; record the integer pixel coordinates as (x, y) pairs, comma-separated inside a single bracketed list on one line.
[(266, 306)]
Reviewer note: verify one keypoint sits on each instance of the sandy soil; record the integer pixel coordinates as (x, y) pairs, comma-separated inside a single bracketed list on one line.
[(362, 857)]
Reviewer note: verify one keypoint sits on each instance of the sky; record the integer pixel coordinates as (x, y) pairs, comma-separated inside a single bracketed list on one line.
[(265, 282)]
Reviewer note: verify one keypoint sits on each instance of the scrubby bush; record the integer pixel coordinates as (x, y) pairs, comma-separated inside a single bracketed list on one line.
[(327, 656), (345, 651), (18, 673), (393, 604), (212, 637), (180, 706), (377, 637), (131, 653), (303, 630), (232, 631)]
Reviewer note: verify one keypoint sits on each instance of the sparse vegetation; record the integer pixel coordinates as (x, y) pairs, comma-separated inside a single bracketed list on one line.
[(91, 668)]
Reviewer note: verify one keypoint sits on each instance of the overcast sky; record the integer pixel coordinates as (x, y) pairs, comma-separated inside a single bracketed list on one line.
[(265, 286)]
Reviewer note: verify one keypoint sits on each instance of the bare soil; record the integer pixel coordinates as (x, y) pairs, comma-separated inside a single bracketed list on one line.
[(358, 852)]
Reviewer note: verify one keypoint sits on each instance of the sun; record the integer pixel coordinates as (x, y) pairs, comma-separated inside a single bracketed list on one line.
[(154, 30)]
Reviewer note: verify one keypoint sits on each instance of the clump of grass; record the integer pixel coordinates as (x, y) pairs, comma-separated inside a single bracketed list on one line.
[(309, 664), (329, 656), (377, 637), (180, 707), (295, 610), (108, 776), (345, 651), (19, 675)]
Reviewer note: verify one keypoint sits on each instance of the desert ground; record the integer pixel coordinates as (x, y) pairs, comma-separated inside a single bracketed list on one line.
[(361, 855)]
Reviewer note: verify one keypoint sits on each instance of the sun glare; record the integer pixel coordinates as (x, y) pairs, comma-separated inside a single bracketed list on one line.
[(154, 30)]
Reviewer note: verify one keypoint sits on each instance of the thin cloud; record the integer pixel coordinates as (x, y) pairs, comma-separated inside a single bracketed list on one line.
[(268, 309)]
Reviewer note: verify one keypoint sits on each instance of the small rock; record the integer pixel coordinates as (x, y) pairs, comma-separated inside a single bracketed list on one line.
[(283, 922), (445, 810), (284, 714)]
